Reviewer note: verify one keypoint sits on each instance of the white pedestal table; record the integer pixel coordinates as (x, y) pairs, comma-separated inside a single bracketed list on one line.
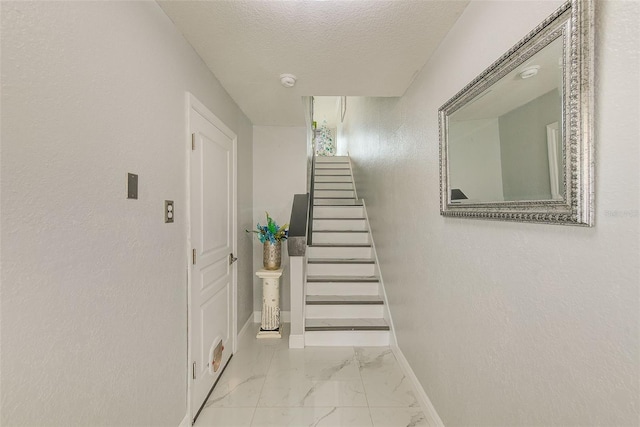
[(270, 325)]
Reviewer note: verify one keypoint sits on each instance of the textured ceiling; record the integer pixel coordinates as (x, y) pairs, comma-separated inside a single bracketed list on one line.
[(358, 48)]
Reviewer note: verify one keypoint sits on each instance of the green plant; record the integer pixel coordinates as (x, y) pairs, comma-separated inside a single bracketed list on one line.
[(271, 232)]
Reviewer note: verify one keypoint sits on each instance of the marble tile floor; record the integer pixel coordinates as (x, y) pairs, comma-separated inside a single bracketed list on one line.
[(268, 384)]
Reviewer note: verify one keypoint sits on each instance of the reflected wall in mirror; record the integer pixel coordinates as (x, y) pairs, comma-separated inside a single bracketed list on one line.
[(498, 147), (516, 143)]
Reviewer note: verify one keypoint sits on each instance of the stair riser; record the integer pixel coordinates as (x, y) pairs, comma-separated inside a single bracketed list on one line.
[(320, 166), (334, 224), (342, 178), (332, 186), (324, 172), (339, 288), (332, 202), (346, 338), (334, 193), (338, 212), (337, 238), (339, 252), (340, 269), (347, 311), (332, 159)]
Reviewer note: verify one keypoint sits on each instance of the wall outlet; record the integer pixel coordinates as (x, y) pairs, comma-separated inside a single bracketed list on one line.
[(168, 211)]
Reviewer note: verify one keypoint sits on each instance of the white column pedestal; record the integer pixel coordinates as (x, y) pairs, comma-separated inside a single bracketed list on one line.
[(270, 325)]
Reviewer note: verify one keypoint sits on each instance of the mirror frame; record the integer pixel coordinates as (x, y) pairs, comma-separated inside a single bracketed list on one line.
[(573, 21)]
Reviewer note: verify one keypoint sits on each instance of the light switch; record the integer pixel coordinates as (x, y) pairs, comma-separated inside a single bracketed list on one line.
[(132, 186), (168, 211)]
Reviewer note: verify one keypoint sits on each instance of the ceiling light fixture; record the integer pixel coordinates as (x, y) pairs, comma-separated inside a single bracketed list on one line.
[(288, 80), (529, 71)]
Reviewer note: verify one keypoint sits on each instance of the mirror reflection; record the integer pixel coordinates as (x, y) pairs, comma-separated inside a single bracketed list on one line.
[(506, 143)]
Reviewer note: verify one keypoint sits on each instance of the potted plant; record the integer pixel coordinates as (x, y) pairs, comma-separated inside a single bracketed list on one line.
[(271, 237)]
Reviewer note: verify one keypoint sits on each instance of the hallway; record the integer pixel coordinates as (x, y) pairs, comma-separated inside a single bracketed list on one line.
[(268, 384), (504, 323)]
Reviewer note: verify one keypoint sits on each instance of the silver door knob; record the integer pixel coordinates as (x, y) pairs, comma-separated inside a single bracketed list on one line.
[(232, 259)]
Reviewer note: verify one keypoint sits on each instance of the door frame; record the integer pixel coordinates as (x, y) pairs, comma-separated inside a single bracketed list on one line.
[(193, 104)]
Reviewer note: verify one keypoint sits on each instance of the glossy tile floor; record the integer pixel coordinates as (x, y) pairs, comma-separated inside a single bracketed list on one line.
[(268, 384)]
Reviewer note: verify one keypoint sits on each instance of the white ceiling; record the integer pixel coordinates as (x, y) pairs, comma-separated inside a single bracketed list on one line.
[(356, 48)]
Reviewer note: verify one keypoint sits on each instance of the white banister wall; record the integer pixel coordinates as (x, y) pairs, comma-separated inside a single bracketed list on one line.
[(297, 249), (297, 266)]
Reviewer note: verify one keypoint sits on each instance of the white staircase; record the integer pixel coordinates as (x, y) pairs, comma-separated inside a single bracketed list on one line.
[(344, 306)]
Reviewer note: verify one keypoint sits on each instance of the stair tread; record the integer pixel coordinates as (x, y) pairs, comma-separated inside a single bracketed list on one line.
[(355, 203), (342, 206), (343, 299), (340, 219), (340, 231), (341, 261), (340, 245), (346, 325), (347, 279)]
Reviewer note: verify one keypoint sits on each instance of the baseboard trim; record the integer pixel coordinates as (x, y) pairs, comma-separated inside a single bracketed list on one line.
[(185, 421), (285, 316), (433, 419), (245, 328)]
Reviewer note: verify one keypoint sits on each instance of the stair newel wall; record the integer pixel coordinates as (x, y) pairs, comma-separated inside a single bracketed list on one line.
[(297, 248)]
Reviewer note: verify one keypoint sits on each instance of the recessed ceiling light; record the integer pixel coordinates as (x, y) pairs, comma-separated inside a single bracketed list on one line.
[(529, 71), (288, 80)]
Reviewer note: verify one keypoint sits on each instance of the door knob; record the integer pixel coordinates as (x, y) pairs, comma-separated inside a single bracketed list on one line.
[(232, 259)]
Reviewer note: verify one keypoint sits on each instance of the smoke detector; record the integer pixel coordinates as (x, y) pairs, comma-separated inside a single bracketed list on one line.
[(529, 71), (288, 80)]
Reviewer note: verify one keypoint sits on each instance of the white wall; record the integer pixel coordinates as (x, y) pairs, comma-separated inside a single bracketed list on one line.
[(279, 172), (245, 220), (508, 323), (477, 167), (94, 285)]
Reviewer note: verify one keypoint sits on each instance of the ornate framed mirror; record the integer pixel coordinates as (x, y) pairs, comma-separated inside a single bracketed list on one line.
[(516, 143)]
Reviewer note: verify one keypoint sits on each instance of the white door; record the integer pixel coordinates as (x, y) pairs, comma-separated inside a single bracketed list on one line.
[(212, 228)]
